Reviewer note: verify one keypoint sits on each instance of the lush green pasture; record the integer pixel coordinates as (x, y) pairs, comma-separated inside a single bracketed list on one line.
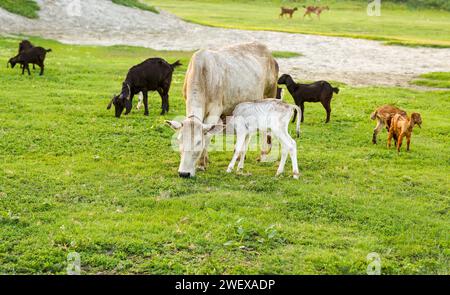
[(435, 79), (136, 4), (27, 8), (398, 24), (74, 178)]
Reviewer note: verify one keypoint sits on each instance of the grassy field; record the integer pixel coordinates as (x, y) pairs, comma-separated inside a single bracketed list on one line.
[(136, 4), (398, 24), (27, 8), (74, 178), (436, 79)]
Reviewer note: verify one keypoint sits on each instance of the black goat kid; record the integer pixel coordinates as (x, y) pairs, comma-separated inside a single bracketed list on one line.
[(320, 91), (34, 55), (25, 45), (154, 74)]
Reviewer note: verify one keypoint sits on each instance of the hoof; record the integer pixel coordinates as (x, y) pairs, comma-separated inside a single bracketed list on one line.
[(146, 114), (229, 170), (201, 168), (296, 176)]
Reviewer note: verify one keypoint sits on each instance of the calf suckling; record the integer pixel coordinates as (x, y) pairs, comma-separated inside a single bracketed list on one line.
[(154, 74), (402, 126), (33, 55), (265, 115), (320, 91)]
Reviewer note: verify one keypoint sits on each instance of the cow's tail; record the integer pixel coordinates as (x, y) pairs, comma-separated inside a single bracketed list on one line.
[(176, 64), (299, 115), (373, 116)]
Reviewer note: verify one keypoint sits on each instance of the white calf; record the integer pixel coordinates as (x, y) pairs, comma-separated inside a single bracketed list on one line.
[(265, 115)]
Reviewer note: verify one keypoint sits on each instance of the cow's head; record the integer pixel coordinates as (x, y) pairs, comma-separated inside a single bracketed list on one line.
[(192, 137), (122, 101)]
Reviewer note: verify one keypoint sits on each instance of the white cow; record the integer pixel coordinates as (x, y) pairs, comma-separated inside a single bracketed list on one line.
[(216, 81), (265, 115)]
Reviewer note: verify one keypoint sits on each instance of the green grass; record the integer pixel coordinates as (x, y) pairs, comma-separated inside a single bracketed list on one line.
[(285, 54), (398, 24), (74, 178), (435, 79), (27, 8), (136, 4)]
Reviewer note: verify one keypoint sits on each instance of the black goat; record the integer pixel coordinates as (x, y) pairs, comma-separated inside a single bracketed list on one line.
[(320, 91), (34, 55), (24, 45), (154, 74)]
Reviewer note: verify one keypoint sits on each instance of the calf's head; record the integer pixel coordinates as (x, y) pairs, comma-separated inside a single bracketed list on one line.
[(192, 136), (122, 101)]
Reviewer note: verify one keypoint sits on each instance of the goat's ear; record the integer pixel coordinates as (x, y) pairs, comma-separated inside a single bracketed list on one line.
[(212, 128), (110, 103), (175, 125)]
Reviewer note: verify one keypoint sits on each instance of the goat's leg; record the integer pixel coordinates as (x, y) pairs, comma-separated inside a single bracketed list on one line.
[(23, 69), (377, 130), (326, 105), (399, 143), (145, 94), (42, 69), (164, 93), (302, 108), (27, 66), (240, 143)]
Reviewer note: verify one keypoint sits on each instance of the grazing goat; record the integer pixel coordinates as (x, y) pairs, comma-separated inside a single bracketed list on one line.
[(314, 9), (265, 115), (402, 126), (289, 11), (320, 91), (384, 115), (154, 74), (24, 45), (34, 55)]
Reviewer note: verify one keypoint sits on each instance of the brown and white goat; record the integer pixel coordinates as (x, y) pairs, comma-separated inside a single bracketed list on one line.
[(402, 126), (384, 115)]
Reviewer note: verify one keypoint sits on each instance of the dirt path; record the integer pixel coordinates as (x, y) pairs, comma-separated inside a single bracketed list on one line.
[(353, 61)]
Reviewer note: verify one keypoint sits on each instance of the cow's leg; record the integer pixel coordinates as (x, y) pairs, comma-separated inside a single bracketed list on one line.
[(239, 149), (243, 153), (145, 94), (377, 130), (203, 162)]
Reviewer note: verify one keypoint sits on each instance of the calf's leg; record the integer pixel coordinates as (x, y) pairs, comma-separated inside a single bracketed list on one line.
[(240, 143), (243, 153)]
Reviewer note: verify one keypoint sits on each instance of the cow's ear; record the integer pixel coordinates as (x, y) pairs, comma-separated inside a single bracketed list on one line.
[(175, 125), (212, 128)]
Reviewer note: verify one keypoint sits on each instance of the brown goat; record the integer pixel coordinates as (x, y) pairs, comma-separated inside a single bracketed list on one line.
[(314, 9), (402, 126), (384, 115), (289, 11)]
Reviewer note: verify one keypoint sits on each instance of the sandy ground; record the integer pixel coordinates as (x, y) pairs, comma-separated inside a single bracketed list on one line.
[(353, 61)]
